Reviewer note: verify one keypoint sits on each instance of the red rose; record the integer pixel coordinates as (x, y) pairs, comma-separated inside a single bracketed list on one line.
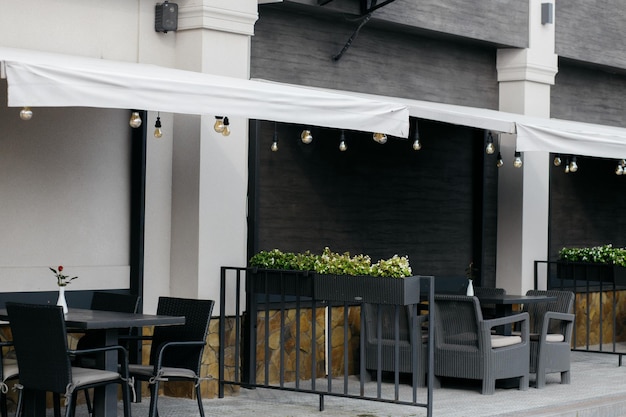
[(60, 268)]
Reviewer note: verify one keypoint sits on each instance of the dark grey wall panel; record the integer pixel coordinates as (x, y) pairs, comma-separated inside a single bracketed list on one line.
[(592, 31), (375, 199), (503, 22), (297, 48), (589, 95)]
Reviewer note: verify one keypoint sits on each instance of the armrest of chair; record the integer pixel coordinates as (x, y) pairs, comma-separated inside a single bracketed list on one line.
[(567, 319), (165, 346), (124, 363), (522, 318)]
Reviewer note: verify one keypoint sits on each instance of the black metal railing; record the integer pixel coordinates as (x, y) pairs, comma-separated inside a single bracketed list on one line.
[(284, 295), (597, 288)]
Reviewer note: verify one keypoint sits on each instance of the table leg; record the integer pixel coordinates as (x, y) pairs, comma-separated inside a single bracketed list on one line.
[(105, 398), (504, 310)]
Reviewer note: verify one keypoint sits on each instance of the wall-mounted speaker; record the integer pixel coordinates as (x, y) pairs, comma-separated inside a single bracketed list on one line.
[(165, 17)]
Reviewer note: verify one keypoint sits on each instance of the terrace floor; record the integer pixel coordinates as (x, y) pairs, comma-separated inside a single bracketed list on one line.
[(598, 388)]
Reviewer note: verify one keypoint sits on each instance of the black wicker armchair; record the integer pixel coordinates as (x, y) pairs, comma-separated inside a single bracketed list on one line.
[(176, 351), (466, 348), (40, 341)]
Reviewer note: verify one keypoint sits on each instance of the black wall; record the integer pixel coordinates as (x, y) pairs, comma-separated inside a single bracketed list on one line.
[(375, 199)]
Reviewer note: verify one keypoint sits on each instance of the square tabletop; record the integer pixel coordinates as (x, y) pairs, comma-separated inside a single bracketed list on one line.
[(507, 299)]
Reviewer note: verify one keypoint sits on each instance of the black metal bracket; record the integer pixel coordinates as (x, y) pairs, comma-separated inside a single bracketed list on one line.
[(368, 6)]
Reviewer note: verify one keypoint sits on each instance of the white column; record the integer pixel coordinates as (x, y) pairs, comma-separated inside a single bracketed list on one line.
[(209, 169), (525, 77)]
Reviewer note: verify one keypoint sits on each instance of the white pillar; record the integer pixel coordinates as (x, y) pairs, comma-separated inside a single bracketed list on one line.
[(525, 77), (210, 170)]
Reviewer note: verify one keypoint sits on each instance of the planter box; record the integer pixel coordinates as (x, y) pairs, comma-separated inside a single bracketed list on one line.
[(580, 271), (277, 282), (367, 289)]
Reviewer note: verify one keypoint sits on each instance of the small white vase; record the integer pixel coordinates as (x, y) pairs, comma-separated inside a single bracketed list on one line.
[(61, 300), (470, 288)]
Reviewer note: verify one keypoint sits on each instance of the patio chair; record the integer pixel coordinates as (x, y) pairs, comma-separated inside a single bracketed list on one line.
[(8, 371), (465, 347), (551, 326), (105, 301), (40, 340), (406, 340), (176, 351)]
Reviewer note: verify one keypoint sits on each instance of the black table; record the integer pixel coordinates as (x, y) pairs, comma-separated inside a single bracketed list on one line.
[(105, 401), (504, 304)]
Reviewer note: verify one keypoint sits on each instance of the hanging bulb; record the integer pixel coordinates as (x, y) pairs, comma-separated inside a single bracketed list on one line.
[(573, 166), (417, 145), (219, 124), (500, 161), (517, 163), (306, 137), (158, 133), (557, 160), (26, 113), (226, 129), (619, 170), (567, 166), (135, 120), (380, 138), (342, 143), (490, 148), (274, 147)]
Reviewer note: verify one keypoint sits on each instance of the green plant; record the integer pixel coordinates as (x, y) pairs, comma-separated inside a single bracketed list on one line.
[(330, 262), (605, 254)]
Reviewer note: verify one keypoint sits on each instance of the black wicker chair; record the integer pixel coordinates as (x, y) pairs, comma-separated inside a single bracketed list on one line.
[(489, 310), (8, 371), (40, 341), (466, 348), (105, 301), (406, 341), (176, 351), (551, 326)]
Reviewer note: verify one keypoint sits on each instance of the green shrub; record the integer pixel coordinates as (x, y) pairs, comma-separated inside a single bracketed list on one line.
[(605, 254)]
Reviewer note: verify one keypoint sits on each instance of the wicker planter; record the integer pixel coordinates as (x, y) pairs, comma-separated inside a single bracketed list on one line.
[(367, 289), (277, 282)]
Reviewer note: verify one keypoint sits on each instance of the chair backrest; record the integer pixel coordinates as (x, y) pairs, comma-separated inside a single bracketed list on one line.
[(40, 341), (110, 301), (197, 316), (564, 304), (457, 319), (387, 314), (488, 291)]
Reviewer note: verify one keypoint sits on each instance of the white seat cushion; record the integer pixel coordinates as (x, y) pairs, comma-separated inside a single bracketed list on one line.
[(498, 341), (146, 371), (86, 376), (550, 337)]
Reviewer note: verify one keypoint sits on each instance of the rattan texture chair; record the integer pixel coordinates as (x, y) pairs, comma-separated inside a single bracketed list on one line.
[(465, 347), (489, 310), (405, 342), (40, 341), (551, 326), (176, 351), (8, 371), (105, 301)]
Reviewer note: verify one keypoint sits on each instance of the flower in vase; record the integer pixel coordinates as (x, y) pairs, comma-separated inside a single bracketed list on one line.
[(62, 280)]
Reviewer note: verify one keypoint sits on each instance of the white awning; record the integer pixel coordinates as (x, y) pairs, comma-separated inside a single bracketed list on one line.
[(40, 79), (532, 133)]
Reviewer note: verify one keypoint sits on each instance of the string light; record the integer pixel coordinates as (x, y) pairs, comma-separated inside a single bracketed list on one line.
[(517, 162), (380, 138), (557, 160), (342, 142), (500, 161), (490, 148), (306, 137), (417, 145), (158, 133), (135, 120), (573, 166), (26, 113), (226, 129), (219, 124), (274, 146)]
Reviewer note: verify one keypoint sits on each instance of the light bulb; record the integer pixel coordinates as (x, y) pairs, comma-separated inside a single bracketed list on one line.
[(557, 161), (380, 138), (274, 146), (135, 120), (219, 124), (26, 113), (517, 163), (342, 146), (306, 137), (619, 170), (500, 162), (573, 166), (226, 129), (417, 145), (158, 133), (275, 141), (490, 149), (567, 166)]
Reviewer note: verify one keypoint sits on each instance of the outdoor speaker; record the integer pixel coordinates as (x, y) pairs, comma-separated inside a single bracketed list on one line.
[(165, 17)]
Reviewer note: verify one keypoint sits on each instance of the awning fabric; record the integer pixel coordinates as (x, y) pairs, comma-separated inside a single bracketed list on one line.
[(532, 133), (41, 79)]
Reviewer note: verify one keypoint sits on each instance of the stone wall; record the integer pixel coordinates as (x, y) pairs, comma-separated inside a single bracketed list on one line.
[(595, 315)]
